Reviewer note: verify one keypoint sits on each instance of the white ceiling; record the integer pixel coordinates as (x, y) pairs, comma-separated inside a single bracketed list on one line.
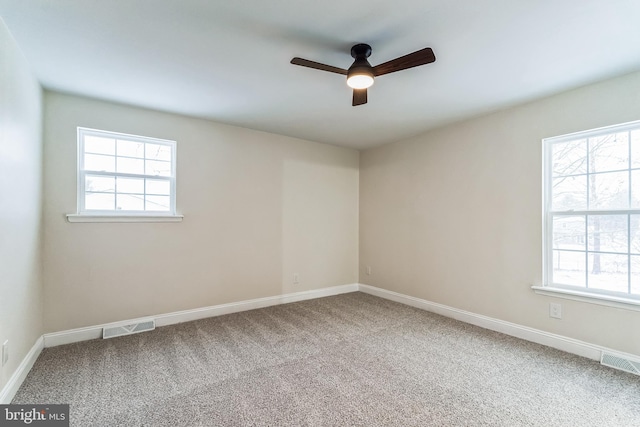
[(229, 60)]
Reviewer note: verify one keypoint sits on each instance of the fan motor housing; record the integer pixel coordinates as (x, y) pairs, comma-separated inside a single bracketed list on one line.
[(359, 66)]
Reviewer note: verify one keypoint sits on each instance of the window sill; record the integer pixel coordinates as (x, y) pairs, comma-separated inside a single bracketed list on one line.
[(124, 218), (610, 301)]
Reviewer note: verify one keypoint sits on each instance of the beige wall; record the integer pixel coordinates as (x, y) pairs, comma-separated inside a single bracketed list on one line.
[(20, 205), (454, 216), (257, 208)]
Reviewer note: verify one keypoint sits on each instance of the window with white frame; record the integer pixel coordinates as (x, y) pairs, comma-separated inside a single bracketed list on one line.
[(121, 174), (592, 211)]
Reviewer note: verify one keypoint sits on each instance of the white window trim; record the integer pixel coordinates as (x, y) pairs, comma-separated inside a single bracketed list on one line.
[(570, 292), (82, 215), (592, 298), (124, 218)]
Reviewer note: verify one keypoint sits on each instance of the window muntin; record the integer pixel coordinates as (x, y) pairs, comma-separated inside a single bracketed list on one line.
[(121, 174), (592, 211)]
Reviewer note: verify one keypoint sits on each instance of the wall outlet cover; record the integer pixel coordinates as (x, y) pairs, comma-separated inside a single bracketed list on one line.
[(555, 310)]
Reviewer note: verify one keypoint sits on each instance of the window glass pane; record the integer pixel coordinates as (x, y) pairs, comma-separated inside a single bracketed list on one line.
[(634, 233), (569, 268), (635, 149), (158, 203), (130, 148), (609, 190), (160, 187), (608, 272), (635, 189), (96, 144), (569, 232), (158, 168), (131, 185), (130, 202), (99, 201), (569, 193), (100, 183), (609, 152), (608, 233), (99, 163), (127, 165), (158, 152), (569, 158), (635, 275)]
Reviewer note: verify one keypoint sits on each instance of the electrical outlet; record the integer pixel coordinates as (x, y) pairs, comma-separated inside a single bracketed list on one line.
[(555, 310), (368, 270), (5, 352), (296, 279)]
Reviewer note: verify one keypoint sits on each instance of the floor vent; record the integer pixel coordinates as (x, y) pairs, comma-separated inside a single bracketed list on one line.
[(621, 363), (134, 328)]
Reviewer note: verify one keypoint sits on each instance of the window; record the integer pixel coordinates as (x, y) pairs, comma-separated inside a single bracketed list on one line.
[(592, 212), (125, 175)]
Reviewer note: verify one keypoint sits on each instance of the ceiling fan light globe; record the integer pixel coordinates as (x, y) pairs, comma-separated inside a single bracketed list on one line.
[(360, 81)]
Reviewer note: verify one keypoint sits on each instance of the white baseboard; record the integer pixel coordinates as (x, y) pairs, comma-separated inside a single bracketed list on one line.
[(235, 307), (93, 332), (559, 342), (11, 388)]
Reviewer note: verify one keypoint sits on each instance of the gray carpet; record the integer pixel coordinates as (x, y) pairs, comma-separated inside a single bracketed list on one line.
[(348, 360)]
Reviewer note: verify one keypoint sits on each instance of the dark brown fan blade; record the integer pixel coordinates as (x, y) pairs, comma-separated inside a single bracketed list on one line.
[(420, 57), (317, 66), (359, 97)]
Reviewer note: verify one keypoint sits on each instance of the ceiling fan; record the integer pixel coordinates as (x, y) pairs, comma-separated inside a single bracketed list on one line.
[(360, 74)]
